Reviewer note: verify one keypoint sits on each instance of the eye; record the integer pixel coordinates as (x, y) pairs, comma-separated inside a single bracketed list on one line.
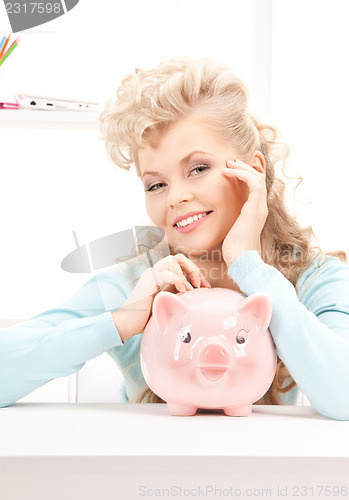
[(241, 337), (151, 188), (200, 168), (184, 334)]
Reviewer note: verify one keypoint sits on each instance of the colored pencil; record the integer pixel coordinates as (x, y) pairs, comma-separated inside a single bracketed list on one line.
[(5, 45), (13, 46), (8, 53), (2, 42), (16, 41)]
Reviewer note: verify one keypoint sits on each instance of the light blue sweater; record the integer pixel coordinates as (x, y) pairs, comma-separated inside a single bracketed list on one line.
[(309, 325)]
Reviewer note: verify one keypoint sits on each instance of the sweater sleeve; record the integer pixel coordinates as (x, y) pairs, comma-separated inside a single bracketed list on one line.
[(58, 342), (311, 335)]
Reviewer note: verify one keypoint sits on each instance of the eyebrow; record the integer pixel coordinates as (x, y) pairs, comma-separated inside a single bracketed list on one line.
[(182, 162)]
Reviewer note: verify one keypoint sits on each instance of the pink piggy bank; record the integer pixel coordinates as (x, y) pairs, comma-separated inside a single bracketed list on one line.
[(209, 348)]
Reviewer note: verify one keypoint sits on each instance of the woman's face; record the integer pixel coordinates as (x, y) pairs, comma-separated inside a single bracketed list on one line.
[(183, 173)]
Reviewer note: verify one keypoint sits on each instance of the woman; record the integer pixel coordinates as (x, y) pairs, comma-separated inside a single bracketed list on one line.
[(186, 127), (207, 168)]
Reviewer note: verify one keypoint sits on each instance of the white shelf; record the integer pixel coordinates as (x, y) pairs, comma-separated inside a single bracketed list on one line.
[(36, 119), (128, 450), (111, 429)]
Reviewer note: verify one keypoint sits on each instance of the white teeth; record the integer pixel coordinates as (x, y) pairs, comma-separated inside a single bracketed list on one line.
[(189, 220)]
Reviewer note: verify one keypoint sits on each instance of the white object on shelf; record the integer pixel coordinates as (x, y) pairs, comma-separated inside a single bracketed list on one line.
[(36, 119), (35, 102)]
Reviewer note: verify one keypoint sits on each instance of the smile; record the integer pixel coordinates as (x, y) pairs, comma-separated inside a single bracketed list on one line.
[(191, 223)]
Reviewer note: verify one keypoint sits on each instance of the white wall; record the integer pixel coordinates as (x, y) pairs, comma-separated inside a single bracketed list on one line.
[(56, 182), (310, 82)]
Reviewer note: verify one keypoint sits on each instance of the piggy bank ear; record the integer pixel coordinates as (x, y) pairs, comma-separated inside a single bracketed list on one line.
[(261, 307), (165, 305)]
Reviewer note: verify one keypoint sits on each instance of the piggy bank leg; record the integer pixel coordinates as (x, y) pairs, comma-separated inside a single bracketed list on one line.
[(238, 411), (180, 410)]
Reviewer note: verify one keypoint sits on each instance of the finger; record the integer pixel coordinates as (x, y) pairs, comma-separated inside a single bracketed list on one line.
[(257, 198), (168, 270), (181, 265), (242, 165), (195, 279), (180, 271), (179, 282), (245, 176), (194, 272), (200, 281), (169, 288)]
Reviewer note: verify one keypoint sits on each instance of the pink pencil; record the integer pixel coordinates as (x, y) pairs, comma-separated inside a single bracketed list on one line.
[(8, 105)]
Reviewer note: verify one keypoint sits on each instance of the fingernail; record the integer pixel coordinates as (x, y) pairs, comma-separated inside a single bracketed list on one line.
[(207, 283), (196, 282)]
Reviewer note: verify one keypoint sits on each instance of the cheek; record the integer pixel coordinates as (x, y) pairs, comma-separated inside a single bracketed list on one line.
[(149, 205), (155, 210)]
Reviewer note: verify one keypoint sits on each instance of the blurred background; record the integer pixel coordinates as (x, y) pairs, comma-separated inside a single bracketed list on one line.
[(55, 178)]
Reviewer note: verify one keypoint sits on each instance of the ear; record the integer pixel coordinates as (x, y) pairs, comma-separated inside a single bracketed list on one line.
[(259, 306), (165, 305), (259, 162)]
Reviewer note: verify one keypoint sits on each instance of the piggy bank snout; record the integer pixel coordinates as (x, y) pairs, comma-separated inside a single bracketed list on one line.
[(214, 354)]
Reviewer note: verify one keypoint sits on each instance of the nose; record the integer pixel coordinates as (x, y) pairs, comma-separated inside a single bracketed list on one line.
[(178, 193), (214, 354)]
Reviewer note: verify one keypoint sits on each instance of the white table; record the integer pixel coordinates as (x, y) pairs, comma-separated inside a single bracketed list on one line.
[(128, 451)]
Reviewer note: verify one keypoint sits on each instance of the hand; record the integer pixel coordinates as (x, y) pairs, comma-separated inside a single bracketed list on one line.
[(171, 274), (246, 232)]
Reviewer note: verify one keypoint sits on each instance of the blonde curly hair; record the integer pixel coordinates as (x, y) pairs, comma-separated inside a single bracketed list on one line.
[(149, 101)]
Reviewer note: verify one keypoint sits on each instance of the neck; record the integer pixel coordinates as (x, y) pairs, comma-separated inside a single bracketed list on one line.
[(214, 268)]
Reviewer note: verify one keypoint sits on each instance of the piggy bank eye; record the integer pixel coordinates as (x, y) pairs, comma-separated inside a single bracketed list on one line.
[(241, 337), (184, 335)]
